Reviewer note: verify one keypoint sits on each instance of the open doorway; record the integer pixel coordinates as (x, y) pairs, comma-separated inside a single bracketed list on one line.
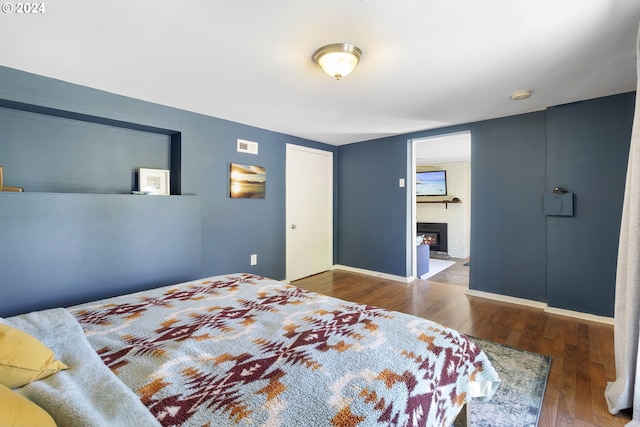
[(440, 172)]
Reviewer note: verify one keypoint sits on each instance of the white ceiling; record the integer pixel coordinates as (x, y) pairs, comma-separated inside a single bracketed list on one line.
[(449, 148), (426, 63)]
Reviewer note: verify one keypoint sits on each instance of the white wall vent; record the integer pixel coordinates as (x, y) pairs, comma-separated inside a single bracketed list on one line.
[(247, 147)]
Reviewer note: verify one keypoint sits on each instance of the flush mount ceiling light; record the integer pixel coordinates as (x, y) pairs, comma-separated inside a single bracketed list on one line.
[(338, 59), (520, 95)]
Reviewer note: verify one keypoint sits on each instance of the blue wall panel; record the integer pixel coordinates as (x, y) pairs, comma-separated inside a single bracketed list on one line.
[(231, 229), (236, 228), (515, 248), (588, 147), (372, 208), (507, 224), (62, 249), (52, 154)]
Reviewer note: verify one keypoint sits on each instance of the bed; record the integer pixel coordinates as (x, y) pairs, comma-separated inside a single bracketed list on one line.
[(246, 350)]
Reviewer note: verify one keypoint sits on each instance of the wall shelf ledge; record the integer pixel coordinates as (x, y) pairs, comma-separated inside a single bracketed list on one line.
[(446, 202)]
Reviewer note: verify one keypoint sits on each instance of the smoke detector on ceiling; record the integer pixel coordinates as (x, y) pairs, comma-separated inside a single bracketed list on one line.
[(520, 95)]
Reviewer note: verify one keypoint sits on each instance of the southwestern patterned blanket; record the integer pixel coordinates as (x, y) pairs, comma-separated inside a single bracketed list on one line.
[(249, 351)]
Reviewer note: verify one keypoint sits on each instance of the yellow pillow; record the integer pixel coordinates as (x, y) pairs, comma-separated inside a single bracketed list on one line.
[(24, 359), (18, 411)]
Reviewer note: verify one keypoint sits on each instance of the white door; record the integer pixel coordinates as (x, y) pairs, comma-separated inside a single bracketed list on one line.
[(309, 211)]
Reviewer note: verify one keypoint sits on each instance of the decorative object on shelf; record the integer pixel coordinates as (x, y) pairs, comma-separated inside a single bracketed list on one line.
[(446, 202), (6, 188), (247, 181), (338, 59), (153, 181)]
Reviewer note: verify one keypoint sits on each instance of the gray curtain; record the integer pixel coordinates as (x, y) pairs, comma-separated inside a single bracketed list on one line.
[(624, 392)]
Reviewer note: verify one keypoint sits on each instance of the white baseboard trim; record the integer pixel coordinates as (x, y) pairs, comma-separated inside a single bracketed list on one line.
[(506, 298), (488, 295), (374, 273), (580, 315), (542, 305)]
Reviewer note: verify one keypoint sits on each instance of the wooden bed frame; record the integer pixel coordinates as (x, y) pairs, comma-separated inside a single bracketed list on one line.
[(464, 417)]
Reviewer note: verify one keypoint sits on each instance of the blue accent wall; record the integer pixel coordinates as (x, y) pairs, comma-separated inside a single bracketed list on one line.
[(63, 249), (372, 207), (507, 223), (132, 133), (516, 250), (587, 152), (44, 153)]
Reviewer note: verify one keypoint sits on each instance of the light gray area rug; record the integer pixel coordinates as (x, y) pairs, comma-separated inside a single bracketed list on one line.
[(518, 400), (436, 266)]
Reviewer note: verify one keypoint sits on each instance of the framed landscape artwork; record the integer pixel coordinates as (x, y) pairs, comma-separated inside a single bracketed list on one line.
[(247, 181)]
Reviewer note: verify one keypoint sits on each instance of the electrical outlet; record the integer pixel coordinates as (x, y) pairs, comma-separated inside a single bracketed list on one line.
[(254, 259)]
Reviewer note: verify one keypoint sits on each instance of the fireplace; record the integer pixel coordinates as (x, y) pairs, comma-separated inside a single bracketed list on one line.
[(435, 235)]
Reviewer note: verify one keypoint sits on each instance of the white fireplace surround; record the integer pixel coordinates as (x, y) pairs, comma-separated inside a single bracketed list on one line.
[(457, 216)]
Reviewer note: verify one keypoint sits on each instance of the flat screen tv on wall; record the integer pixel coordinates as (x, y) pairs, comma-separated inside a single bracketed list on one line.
[(431, 183)]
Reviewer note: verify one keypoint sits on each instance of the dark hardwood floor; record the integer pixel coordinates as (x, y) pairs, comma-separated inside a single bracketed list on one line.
[(581, 351)]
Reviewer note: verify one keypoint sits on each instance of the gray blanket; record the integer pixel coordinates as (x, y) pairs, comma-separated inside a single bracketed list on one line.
[(87, 394)]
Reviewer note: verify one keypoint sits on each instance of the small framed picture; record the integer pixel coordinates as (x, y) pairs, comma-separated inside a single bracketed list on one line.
[(153, 181)]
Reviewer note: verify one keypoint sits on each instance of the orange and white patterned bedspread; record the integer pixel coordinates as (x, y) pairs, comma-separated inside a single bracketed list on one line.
[(249, 351)]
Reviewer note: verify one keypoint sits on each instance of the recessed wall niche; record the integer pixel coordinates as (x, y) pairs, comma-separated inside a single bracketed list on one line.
[(49, 150)]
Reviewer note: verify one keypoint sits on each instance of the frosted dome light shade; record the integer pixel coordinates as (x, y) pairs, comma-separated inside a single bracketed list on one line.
[(338, 60)]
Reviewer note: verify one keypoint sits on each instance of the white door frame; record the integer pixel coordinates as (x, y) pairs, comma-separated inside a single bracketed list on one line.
[(413, 212)]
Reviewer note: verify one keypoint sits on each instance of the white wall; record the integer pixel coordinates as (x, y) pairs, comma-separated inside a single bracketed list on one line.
[(458, 216)]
